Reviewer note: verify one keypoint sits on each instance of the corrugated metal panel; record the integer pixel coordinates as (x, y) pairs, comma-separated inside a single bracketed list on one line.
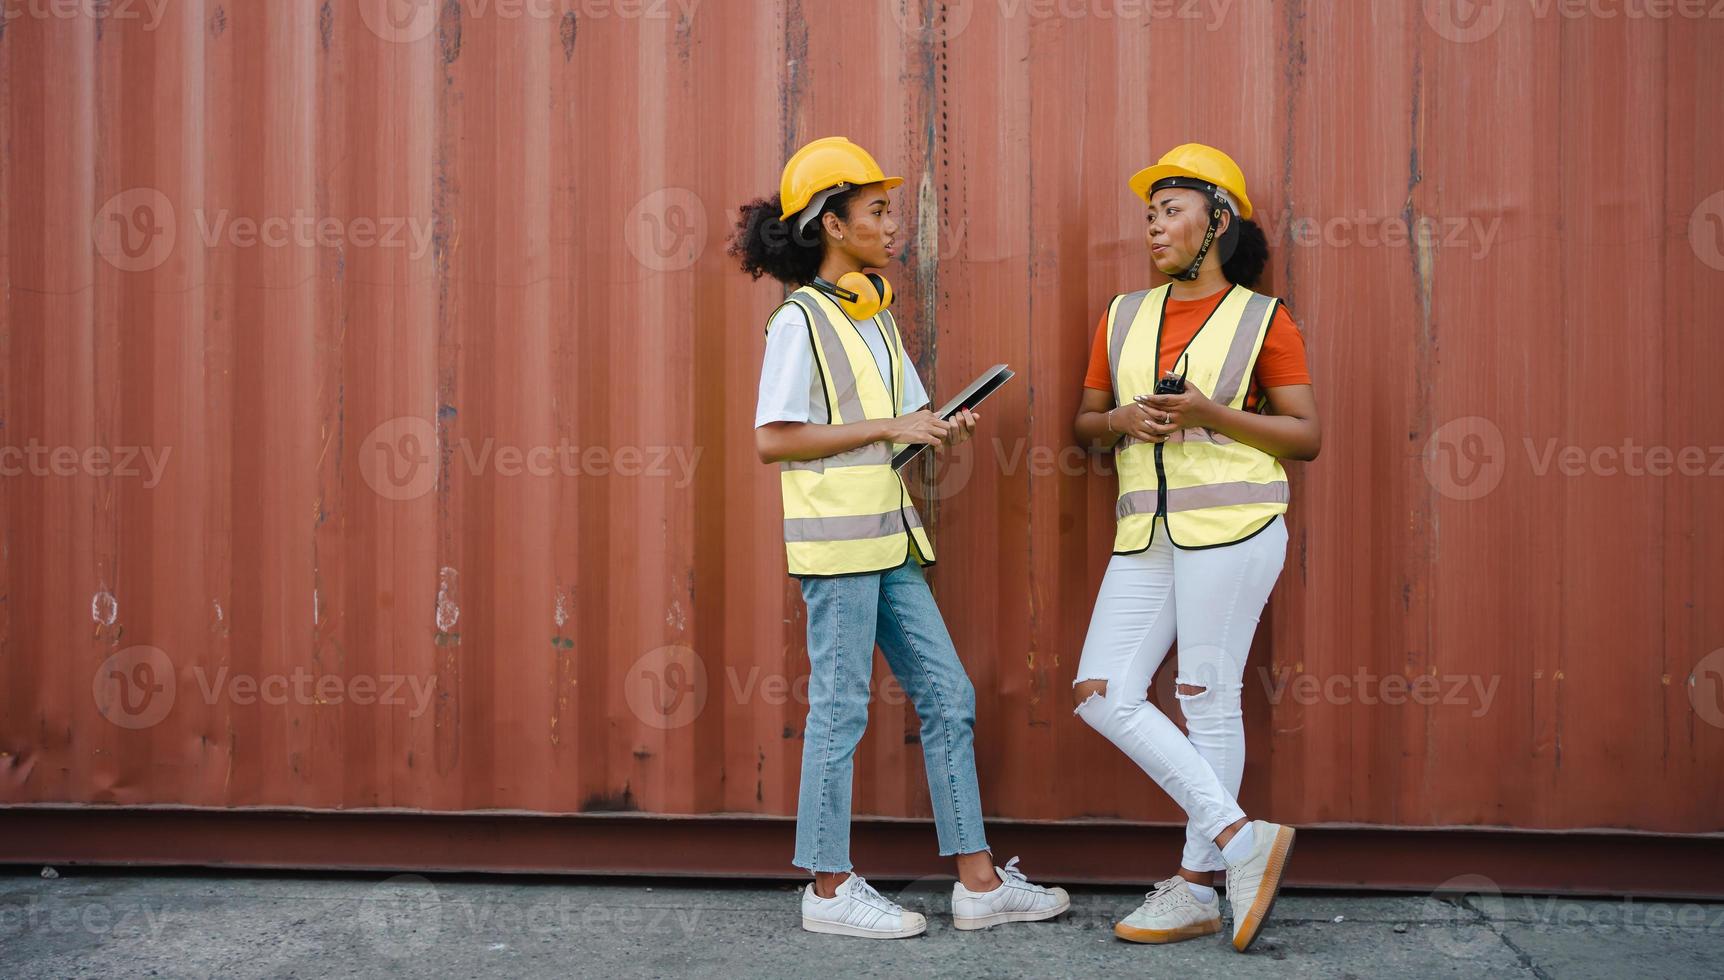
[(498, 249)]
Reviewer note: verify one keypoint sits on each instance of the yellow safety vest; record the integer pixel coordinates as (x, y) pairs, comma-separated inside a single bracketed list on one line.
[(850, 514), (1208, 489)]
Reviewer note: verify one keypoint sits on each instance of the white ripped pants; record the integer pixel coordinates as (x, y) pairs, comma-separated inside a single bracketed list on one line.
[(1211, 600)]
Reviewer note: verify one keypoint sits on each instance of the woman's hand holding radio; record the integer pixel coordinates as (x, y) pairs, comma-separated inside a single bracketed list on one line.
[(1190, 409), (1135, 421)]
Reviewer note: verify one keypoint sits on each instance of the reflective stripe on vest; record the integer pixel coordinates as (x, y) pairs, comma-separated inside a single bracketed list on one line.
[(850, 513), (1207, 488)]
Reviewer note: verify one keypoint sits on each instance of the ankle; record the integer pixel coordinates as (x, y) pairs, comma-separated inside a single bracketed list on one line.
[(1226, 836), (978, 883), (976, 871), (1197, 877), (826, 883)]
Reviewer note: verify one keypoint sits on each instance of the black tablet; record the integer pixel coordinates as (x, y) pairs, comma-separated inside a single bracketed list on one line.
[(970, 397)]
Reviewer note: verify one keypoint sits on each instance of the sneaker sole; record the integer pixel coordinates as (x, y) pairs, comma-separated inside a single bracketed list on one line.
[(1247, 933), (1134, 934), (1001, 918), (857, 932)]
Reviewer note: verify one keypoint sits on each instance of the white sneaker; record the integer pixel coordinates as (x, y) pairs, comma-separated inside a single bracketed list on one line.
[(1254, 880), (1169, 914), (1016, 900), (858, 910)]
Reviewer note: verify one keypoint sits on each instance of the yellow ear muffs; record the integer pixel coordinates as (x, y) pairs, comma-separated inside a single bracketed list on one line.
[(862, 295)]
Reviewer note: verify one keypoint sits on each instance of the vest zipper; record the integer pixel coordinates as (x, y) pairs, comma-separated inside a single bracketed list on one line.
[(1160, 486), (1160, 319), (897, 358)]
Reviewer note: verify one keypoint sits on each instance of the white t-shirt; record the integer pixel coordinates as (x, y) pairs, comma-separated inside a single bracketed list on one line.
[(790, 385)]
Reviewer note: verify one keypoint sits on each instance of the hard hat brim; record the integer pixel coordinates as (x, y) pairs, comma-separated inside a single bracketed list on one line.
[(859, 181), (1146, 178)]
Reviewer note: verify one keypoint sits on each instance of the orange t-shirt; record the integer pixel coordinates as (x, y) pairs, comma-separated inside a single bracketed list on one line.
[(1280, 362)]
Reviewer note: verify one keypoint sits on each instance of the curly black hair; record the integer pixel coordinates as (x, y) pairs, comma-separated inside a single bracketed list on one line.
[(1250, 254), (766, 245)]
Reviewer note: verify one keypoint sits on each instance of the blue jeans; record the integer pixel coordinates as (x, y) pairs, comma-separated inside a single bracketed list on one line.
[(846, 616)]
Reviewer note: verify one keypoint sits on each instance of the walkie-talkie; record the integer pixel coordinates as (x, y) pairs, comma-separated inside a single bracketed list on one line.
[(1171, 383)]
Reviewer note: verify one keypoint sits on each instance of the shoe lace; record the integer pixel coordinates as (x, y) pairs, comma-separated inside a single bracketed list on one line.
[(865, 892), (1164, 893), (1011, 874)]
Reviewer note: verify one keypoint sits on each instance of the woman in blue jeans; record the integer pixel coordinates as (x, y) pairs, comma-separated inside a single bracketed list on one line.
[(837, 392)]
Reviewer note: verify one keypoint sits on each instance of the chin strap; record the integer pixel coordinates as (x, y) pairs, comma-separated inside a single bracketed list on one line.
[(1217, 205)]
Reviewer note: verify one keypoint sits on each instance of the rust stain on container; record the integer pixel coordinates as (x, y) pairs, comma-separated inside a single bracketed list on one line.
[(349, 360)]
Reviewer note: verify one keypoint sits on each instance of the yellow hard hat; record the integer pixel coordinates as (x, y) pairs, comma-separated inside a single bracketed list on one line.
[(1194, 160), (826, 163)]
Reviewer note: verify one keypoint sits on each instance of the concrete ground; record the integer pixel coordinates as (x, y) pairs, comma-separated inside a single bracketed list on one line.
[(88, 923)]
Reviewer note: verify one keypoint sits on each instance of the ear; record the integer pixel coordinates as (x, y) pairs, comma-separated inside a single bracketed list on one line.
[(832, 224), (1226, 221)]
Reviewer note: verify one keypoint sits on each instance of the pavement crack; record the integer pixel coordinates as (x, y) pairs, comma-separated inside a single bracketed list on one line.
[(1520, 954)]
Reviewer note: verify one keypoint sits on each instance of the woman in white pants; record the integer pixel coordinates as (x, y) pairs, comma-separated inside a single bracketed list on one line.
[(1200, 388)]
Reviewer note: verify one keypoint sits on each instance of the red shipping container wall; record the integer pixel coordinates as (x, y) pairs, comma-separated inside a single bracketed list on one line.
[(378, 398)]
